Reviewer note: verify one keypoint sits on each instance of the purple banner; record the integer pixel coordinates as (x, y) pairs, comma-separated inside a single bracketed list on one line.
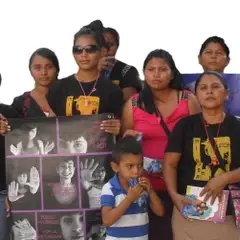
[(55, 172)]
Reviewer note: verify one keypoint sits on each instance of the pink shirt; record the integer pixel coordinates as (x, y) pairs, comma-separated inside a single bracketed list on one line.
[(154, 139)]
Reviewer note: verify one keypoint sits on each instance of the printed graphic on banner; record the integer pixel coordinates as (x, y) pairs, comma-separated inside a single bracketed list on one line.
[(55, 173)]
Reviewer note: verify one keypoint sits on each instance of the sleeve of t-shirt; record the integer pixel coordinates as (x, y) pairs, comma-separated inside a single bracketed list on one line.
[(53, 96), (8, 111), (17, 104), (107, 198), (131, 78), (176, 139), (116, 101)]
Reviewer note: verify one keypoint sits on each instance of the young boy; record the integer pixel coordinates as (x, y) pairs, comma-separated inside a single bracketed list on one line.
[(124, 206)]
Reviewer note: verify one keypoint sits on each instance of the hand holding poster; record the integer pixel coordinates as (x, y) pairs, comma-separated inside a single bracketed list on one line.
[(55, 173)]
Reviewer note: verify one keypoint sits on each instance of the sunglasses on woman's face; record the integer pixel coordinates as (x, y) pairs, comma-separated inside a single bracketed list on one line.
[(87, 49)]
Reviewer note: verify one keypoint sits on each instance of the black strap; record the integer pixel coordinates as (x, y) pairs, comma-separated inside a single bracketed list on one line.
[(163, 124), (218, 154)]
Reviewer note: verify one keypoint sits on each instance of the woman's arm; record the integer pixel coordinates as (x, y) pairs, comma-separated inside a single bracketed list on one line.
[(127, 117), (193, 104)]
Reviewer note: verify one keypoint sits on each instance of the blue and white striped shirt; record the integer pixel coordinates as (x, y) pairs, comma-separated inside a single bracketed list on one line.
[(133, 224)]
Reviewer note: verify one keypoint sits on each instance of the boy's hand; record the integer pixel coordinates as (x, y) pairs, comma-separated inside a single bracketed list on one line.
[(145, 183), (134, 193)]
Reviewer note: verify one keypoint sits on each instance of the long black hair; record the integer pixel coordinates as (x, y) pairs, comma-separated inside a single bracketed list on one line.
[(177, 82)]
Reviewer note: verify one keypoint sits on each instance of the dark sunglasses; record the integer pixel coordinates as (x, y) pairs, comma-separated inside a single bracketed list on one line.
[(88, 49)]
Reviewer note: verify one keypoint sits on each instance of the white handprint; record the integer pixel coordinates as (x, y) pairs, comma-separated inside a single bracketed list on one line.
[(49, 147), (13, 192), (34, 180), (16, 150), (87, 173), (23, 230)]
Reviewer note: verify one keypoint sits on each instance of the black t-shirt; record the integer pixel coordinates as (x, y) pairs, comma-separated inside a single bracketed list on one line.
[(190, 139), (8, 112), (26, 106), (66, 97), (125, 76)]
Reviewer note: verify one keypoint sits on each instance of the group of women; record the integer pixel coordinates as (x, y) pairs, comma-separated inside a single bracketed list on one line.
[(175, 123)]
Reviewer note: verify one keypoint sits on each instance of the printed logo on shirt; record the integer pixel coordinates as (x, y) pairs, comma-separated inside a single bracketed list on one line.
[(203, 155), (85, 105), (116, 82)]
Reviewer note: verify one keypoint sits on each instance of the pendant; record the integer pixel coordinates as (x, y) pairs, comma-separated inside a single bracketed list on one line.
[(85, 102), (214, 160), (94, 89)]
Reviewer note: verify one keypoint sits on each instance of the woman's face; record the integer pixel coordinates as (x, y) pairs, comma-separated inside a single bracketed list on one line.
[(66, 170), (157, 74), (72, 227), (80, 145), (210, 92), (100, 174), (43, 71), (22, 178), (32, 133), (89, 58), (213, 58), (111, 41)]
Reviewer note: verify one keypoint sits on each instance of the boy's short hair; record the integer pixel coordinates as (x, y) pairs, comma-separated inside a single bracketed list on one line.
[(127, 145)]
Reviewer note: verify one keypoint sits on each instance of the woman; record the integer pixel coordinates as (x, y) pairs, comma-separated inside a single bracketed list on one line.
[(214, 54), (44, 68), (86, 92), (120, 73), (153, 113), (72, 226), (203, 151), (30, 142)]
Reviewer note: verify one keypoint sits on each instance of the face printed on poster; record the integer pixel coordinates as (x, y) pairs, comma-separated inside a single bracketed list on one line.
[(24, 183), (67, 226), (92, 179), (83, 137), (60, 183), (31, 138)]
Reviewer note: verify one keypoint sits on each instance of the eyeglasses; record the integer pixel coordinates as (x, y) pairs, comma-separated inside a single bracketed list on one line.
[(88, 49)]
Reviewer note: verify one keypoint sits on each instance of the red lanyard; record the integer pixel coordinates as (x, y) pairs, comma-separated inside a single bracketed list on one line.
[(214, 157)]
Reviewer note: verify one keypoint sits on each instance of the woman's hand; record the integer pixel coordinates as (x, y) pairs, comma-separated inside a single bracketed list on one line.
[(106, 63), (4, 127), (214, 188), (132, 133), (180, 200), (111, 126)]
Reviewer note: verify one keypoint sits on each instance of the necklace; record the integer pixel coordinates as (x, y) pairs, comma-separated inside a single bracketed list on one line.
[(92, 91), (214, 157)]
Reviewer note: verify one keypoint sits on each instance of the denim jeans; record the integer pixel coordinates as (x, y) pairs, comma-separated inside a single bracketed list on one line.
[(4, 230)]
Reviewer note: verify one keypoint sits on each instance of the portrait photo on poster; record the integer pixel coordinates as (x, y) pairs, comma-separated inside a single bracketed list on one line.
[(95, 230), (60, 183), (23, 226), (61, 225), (31, 137), (92, 179), (82, 134), (23, 183)]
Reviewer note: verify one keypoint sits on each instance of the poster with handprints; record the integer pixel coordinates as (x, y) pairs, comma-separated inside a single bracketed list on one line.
[(50, 170)]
